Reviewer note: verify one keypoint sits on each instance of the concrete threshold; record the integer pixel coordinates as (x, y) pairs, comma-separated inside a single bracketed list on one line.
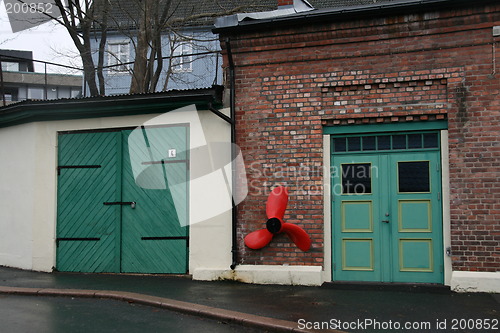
[(244, 319), (379, 286)]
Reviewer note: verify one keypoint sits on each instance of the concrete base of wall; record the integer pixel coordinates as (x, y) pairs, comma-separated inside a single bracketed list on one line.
[(264, 274), (488, 282)]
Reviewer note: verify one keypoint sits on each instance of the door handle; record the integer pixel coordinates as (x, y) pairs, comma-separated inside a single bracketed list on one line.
[(386, 215), (131, 203)]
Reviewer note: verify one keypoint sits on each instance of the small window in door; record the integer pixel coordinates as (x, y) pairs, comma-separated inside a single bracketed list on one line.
[(339, 144), (431, 140), (356, 178), (369, 143), (413, 177)]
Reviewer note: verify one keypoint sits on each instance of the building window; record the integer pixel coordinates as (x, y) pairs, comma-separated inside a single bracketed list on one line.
[(11, 94), (35, 93), (76, 93), (182, 60), (10, 66), (118, 57)]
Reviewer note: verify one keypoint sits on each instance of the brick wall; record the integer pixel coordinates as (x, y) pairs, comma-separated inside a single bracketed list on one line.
[(290, 82)]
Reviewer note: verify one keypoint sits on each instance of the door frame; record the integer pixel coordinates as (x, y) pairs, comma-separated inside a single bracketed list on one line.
[(442, 127)]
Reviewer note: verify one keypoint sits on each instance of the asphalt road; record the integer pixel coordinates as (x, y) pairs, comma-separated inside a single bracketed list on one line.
[(423, 308), (30, 314)]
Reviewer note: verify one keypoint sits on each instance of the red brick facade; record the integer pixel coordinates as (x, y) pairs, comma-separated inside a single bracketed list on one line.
[(424, 66)]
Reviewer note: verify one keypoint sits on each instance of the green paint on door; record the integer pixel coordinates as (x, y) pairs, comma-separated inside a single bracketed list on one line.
[(150, 236), (387, 223), (154, 229)]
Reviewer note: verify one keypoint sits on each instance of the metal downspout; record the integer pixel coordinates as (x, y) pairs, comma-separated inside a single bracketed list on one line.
[(232, 106)]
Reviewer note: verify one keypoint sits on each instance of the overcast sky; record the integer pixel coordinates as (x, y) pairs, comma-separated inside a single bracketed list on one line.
[(48, 42)]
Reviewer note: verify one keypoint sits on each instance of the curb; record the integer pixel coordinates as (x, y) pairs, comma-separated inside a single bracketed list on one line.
[(244, 319)]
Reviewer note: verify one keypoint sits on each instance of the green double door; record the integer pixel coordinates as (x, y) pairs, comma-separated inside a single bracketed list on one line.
[(387, 222), (117, 210)]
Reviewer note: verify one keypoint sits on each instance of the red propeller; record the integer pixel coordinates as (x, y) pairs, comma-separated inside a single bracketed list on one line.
[(275, 210)]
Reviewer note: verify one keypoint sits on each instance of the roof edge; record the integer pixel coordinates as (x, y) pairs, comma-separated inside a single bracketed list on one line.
[(346, 13), (299, 6), (107, 106)]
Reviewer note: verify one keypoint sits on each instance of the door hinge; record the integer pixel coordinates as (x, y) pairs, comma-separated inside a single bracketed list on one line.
[(81, 239), (334, 266), (123, 203), (439, 195), (76, 167)]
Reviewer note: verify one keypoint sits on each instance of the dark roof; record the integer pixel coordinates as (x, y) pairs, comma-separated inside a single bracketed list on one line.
[(25, 57), (108, 106), (351, 11), (319, 4), (124, 14)]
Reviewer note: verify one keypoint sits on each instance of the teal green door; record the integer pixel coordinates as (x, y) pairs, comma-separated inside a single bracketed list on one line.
[(109, 217), (154, 233), (88, 232), (387, 223)]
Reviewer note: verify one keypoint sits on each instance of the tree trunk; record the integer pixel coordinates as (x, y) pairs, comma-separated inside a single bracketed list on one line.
[(102, 49), (138, 84), (70, 16)]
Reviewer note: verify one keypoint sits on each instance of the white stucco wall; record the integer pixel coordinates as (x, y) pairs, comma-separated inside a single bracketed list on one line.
[(210, 240), (28, 192), (17, 195)]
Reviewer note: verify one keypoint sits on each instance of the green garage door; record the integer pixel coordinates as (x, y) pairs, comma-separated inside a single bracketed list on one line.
[(112, 220)]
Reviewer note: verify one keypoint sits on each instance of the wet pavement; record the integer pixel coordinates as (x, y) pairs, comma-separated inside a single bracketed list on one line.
[(305, 307), (65, 314)]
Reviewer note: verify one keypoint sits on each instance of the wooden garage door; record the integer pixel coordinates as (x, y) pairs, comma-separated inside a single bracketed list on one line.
[(108, 218)]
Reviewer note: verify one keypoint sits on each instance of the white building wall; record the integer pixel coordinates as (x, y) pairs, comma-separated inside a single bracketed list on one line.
[(211, 240), (17, 195)]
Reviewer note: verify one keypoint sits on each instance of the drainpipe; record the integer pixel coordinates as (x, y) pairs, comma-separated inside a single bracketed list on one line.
[(232, 107), (232, 121), (2, 89)]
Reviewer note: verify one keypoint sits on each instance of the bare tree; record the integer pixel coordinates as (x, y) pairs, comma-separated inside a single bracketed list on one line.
[(154, 19), (80, 20)]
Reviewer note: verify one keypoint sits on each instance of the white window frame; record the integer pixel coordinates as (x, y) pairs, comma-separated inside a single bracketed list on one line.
[(182, 60), (118, 54)]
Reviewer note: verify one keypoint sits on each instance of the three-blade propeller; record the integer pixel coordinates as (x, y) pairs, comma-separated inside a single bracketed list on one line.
[(275, 210)]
